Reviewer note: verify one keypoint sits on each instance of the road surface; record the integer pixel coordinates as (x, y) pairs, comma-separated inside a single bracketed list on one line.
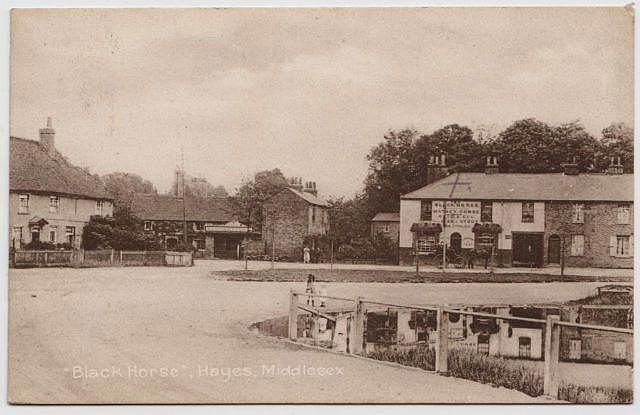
[(177, 335)]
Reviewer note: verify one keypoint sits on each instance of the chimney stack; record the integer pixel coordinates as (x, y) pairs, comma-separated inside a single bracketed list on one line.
[(492, 165), (296, 183), (571, 169), (616, 166), (48, 138), (436, 168), (310, 187)]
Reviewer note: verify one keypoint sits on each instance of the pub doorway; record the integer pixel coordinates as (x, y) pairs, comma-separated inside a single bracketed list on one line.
[(528, 249), (553, 256)]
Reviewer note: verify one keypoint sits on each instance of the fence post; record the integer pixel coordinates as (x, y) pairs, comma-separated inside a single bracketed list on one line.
[(442, 346), (316, 329), (121, 257), (551, 356), (46, 258), (355, 346), (293, 315), (113, 251), (82, 256)]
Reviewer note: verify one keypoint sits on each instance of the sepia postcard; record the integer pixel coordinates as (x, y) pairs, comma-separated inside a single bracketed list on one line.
[(321, 205)]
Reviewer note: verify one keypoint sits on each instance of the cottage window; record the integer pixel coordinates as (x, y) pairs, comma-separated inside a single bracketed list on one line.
[(71, 234), (624, 212), (200, 244), (578, 213), (313, 214), (54, 204), (426, 212), (23, 207), (199, 226), (386, 228), (486, 212), (53, 234), (17, 234), (427, 244), (99, 207), (148, 226), (528, 209), (577, 245), (524, 347)]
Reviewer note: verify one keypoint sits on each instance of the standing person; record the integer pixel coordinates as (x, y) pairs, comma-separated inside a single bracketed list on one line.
[(311, 289), (307, 255)]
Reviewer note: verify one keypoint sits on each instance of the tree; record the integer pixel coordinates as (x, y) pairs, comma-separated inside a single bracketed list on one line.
[(532, 146), (617, 140), (199, 187), (251, 195), (348, 219), (123, 186)]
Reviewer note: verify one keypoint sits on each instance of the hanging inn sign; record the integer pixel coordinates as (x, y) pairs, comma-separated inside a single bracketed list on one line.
[(463, 214)]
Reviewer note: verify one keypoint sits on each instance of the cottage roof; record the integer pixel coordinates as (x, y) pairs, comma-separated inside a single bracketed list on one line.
[(529, 186), (308, 197), (169, 207), (33, 169), (386, 217)]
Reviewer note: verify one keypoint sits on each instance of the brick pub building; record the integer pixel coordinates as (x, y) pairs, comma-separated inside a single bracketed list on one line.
[(523, 219)]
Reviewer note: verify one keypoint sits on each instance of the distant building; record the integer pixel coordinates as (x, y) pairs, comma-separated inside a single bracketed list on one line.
[(50, 200), (212, 230), (523, 219), (291, 215), (387, 225)]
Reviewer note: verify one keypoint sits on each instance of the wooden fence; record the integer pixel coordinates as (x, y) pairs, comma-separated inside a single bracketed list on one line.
[(100, 258), (551, 326)]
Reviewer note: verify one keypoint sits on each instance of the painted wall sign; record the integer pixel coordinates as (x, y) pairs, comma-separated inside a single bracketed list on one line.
[(467, 243), (459, 214)]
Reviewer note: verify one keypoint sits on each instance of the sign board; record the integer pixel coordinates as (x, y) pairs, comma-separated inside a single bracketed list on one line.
[(467, 243), (463, 214)]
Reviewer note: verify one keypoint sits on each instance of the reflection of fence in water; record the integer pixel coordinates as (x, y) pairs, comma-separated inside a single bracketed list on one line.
[(437, 336)]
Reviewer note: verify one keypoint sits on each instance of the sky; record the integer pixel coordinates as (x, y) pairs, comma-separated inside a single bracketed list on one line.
[(307, 91)]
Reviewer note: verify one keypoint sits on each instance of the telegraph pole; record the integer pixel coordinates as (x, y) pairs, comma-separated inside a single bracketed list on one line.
[(184, 200)]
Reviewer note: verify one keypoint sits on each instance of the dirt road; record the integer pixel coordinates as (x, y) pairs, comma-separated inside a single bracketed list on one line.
[(169, 335)]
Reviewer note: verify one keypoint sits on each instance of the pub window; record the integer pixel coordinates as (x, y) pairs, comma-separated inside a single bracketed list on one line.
[(624, 212), (200, 244), (148, 226), (99, 207), (427, 244), (577, 245), (622, 246), (486, 242), (578, 213), (483, 344), (54, 203), (426, 212), (524, 347), (23, 207), (486, 212), (528, 212)]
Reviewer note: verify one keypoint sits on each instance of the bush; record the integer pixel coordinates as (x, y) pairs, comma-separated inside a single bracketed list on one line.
[(508, 373)]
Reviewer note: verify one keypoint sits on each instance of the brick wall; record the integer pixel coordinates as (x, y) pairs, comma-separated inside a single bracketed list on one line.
[(287, 215), (600, 223)]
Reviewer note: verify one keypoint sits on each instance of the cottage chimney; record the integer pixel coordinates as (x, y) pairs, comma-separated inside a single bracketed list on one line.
[(296, 183), (571, 169), (615, 167), (310, 187), (48, 138), (492, 165)]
